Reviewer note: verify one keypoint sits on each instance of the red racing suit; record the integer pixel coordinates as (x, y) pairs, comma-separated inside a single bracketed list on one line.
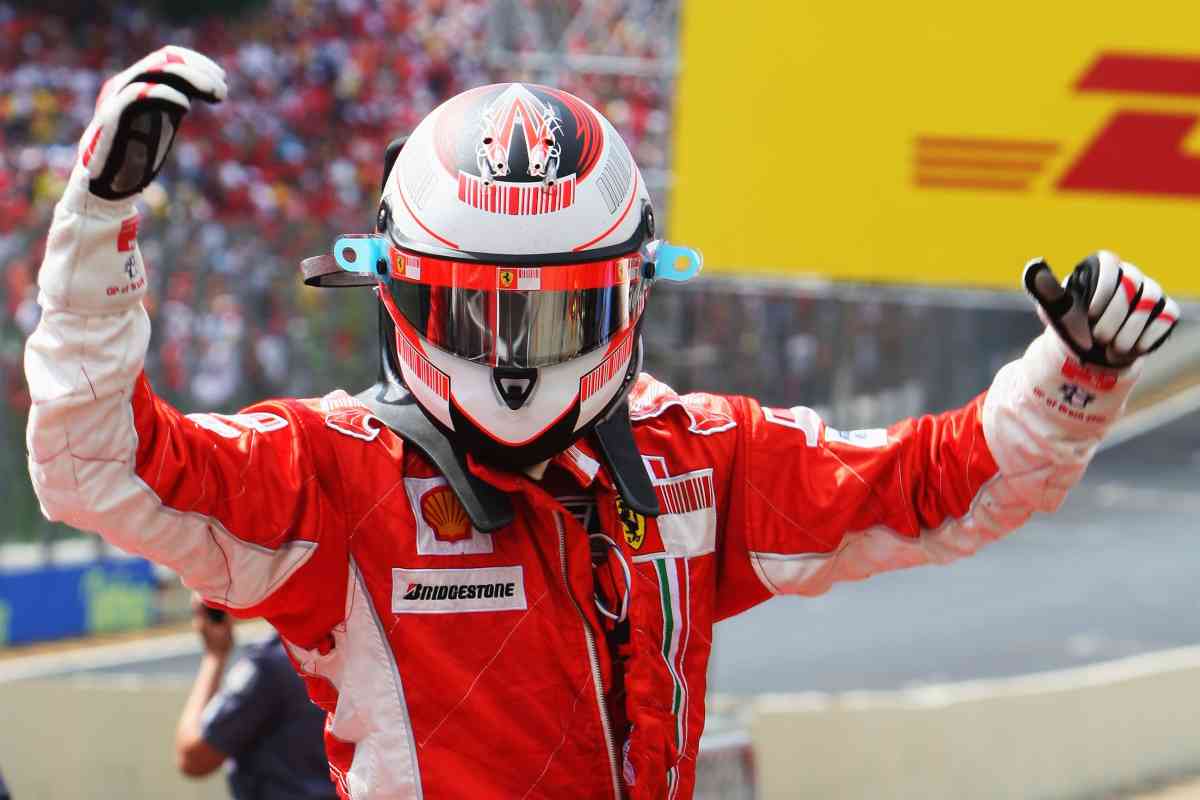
[(454, 663)]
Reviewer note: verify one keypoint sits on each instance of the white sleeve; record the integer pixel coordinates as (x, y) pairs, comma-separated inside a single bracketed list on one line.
[(91, 408), (1046, 414), (86, 352)]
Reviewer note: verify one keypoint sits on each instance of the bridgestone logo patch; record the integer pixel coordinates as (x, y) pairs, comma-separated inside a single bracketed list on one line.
[(482, 591), (452, 591)]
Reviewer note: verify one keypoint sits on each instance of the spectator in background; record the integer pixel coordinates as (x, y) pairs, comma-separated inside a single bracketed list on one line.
[(4, 795), (261, 718)]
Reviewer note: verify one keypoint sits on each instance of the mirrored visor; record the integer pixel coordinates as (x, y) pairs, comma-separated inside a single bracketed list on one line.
[(514, 316)]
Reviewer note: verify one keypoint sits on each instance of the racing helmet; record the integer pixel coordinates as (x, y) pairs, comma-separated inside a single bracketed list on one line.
[(515, 246)]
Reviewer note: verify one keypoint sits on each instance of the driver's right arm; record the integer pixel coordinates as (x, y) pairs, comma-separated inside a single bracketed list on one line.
[(235, 504)]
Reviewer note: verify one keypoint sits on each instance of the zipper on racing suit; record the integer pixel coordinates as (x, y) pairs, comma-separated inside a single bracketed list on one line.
[(593, 657)]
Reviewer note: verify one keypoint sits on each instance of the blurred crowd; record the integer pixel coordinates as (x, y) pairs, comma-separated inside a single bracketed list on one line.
[(293, 159), (318, 88)]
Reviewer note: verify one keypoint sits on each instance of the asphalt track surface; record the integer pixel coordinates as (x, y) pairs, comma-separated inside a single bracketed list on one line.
[(1114, 573)]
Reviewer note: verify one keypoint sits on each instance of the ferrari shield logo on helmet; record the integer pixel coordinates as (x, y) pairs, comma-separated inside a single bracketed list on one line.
[(506, 278), (632, 523)]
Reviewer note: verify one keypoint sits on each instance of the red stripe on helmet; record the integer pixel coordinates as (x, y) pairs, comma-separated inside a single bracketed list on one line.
[(617, 359), (433, 271)]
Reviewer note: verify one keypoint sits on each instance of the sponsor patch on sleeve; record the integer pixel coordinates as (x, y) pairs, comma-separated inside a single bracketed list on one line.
[(868, 438), (455, 591)]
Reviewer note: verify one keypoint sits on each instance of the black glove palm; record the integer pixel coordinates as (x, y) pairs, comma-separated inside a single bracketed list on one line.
[(138, 114)]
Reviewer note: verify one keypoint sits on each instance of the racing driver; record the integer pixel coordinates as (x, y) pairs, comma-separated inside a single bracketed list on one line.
[(498, 568)]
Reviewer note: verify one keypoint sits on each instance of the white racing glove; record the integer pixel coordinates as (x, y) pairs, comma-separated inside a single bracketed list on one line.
[(93, 264), (1106, 311), (137, 116)]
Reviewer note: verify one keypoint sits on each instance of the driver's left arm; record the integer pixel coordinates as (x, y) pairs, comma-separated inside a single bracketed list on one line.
[(816, 505), (810, 506)]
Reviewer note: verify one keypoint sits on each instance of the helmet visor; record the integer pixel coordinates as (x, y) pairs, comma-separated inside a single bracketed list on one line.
[(512, 316)]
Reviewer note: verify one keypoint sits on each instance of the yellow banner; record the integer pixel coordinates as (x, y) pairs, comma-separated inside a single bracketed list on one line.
[(939, 142)]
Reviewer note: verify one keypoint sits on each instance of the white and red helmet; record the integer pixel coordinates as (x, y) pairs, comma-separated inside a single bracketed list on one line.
[(514, 262)]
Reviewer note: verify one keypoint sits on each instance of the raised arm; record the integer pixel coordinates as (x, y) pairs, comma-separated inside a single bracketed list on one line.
[(231, 503), (814, 505)]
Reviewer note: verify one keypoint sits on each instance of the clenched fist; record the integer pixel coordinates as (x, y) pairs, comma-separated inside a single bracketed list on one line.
[(1106, 311), (137, 116)]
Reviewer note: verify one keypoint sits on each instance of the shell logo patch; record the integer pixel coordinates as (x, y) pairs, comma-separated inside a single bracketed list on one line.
[(445, 515), (633, 523)]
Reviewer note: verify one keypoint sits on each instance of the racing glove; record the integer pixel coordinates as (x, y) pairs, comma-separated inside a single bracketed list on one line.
[(93, 264), (1106, 311), (137, 116)]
